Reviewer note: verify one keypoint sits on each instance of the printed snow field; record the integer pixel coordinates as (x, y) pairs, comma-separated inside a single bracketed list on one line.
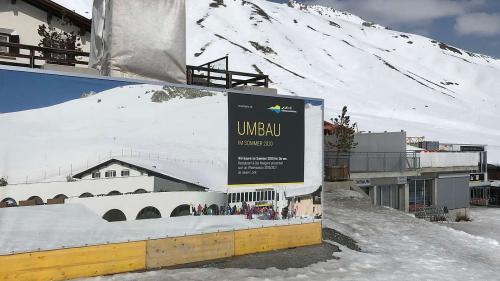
[(186, 138), (49, 227)]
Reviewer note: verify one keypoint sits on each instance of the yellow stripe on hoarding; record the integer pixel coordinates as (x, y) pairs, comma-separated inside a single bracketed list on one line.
[(188, 249), (132, 256), (74, 262), (276, 238)]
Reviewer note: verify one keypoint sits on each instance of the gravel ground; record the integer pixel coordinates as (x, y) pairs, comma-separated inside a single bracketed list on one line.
[(282, 259)]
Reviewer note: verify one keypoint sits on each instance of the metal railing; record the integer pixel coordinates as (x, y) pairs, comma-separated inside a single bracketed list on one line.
[(374, 161), (209, 76)]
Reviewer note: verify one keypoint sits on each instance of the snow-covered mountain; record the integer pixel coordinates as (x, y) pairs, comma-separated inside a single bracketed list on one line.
[(389, 80)]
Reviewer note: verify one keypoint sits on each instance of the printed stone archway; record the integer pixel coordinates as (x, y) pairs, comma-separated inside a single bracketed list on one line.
[(182, 210), (114, 215), (148, 213), (9, 202)]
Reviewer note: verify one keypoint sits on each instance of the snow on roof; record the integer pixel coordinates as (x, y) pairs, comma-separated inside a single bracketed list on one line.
[(168, 168)]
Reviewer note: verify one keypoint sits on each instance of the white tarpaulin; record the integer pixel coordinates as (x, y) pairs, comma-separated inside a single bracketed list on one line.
[(139, 39)]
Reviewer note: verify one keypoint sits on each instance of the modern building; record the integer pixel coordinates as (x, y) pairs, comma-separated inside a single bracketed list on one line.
[(408, 178)]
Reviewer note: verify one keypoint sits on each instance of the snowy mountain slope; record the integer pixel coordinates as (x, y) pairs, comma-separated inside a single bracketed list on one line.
[(50, 143), (388, 79)]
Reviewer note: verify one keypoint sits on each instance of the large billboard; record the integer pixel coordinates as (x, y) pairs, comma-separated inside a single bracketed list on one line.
[(60, 124), (266, 139)]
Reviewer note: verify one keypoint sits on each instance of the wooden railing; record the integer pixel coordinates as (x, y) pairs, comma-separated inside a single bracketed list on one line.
[(204, 75), (31, 56)]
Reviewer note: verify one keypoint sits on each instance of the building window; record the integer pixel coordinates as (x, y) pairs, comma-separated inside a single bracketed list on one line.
[(277, 197), (246, 196), (238, 197), (110, 174), (4, 38), (96, 175), (125, 173)]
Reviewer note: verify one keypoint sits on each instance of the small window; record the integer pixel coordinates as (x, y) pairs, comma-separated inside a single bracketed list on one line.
[(246, 197), (110, 174), (277, 196), (4, 38), (96, 175), (238, 197), (255, 196), (272, 195), (125, 173), (250, 196), (233, 195)]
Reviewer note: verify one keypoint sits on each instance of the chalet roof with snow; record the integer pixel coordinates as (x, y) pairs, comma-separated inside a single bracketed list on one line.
[(146, 167), (55, 9)]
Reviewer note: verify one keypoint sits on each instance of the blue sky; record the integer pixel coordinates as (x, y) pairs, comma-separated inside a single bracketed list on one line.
[(473, 25), (28, 90)]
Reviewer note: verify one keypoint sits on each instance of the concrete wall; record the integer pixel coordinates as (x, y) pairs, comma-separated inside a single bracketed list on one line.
[(375, 152), (448, 159), (453, 191), (381, 142), (150, 254), (74, 189), (165, 202)]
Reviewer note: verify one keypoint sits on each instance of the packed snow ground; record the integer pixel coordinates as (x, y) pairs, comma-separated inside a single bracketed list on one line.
[(485, 222), (395, 246)]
